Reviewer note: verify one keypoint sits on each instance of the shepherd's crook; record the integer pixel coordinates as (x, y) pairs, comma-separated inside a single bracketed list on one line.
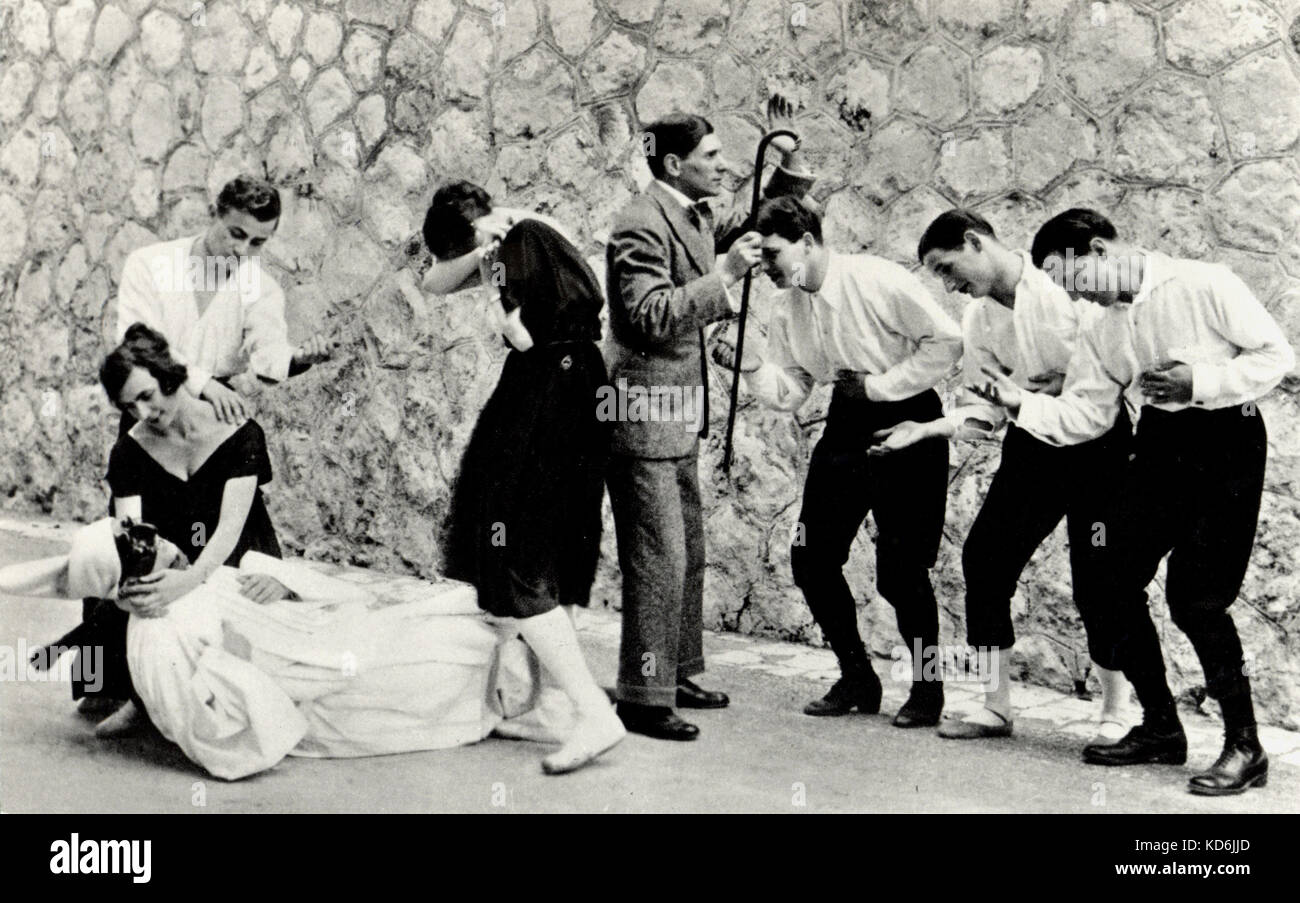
[(744, 293)]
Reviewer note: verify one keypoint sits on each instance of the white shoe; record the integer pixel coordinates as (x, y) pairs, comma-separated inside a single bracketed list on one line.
[(125, 720), (593, 736), (523, 729)]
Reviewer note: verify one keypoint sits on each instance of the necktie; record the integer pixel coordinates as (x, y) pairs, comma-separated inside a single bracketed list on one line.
[(702, 218)]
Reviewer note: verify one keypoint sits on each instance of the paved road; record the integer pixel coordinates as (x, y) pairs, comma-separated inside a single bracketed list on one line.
[(761, 755)]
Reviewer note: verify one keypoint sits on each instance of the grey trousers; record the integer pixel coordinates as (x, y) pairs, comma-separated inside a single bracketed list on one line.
[(660, 531)]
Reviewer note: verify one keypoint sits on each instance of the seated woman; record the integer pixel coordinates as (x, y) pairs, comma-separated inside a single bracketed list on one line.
[(335, 669), (192, 475), (524, 526)]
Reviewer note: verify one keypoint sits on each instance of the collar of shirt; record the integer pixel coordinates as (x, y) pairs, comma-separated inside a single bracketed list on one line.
[(676, 195), (1156, 270), (1027, 282), (831, 289)]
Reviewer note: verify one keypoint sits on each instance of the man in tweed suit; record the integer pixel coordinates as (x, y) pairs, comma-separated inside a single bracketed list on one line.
[(663, 290)]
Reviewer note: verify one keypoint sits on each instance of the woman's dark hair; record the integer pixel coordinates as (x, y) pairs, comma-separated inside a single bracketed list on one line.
[(142, 347), (789, 218), (948, 231), (449, 223), (1073, 231), (248, 194), (676, 133)]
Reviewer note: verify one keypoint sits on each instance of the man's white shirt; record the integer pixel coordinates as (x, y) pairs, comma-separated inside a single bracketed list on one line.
[(1036, 336), (1200, 314), (869, 316), (243, 327)]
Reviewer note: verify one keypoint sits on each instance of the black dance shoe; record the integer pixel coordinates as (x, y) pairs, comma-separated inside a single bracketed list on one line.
[(659, 722), (1141, 746), (1240, 766), (924, 706), (857, 689), (690, 696)]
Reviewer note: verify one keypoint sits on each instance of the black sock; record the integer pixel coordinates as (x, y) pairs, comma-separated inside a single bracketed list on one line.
[(1238, 711)]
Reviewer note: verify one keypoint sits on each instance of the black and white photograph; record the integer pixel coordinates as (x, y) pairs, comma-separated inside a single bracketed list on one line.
[(687, 407)]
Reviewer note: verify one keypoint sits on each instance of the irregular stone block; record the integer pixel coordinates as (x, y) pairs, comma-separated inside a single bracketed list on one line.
[(1006, 77), (933, 84), (614, 65), (534, 94), (1258, 206), (1205, 35), (1106, 54), (688, 26)]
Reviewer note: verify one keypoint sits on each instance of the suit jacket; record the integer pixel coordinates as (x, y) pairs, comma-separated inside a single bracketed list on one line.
[(663, 291)]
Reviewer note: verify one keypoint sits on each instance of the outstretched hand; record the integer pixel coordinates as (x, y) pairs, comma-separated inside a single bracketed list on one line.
[(999, 389), (314, 350), (897, 437), (780, 115)]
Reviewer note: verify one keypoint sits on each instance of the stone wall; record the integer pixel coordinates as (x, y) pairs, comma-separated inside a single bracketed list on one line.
[(119, 120)]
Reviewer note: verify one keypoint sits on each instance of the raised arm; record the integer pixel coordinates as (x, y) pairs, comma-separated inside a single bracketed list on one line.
[(456, 274), (655, 309)]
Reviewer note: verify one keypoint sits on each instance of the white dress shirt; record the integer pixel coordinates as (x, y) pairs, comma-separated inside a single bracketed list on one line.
[(243, 327), (1033, 337), (869, 316), (1200, 314)]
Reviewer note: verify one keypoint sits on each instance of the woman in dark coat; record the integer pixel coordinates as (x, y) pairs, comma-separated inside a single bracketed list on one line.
[(524, 525)]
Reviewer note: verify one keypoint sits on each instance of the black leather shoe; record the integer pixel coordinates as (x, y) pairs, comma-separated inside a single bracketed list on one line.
[(860, 690), (655, 721), (1141, 746), (1240, 766), (690, 696), (923, 708)]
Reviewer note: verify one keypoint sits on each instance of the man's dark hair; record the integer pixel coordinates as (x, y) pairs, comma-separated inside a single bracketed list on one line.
[(142, 347), (676, 133), (787, 217), (449, 223), (948, 231), (256, 197), (1072, 230)]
